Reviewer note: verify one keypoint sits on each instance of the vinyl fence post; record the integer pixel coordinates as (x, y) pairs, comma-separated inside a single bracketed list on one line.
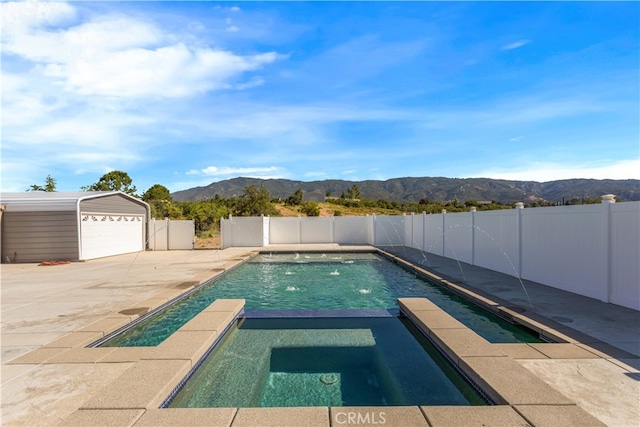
[(473, 235), (519, 208), (607, 201), (444, 214)]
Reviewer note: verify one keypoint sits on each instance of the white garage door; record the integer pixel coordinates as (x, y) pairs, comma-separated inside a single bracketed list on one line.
[(110, 234)]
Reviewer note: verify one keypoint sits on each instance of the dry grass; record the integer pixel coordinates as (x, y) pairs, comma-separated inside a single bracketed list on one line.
[(329, 209), (208, 243)]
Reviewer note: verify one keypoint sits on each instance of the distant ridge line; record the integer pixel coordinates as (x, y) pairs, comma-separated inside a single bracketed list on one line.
[(436, 189)]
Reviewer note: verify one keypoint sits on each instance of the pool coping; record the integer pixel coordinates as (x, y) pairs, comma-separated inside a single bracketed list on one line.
[(156, 371)]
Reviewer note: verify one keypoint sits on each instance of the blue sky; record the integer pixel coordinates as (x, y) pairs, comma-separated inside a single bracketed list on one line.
[(187, 93)]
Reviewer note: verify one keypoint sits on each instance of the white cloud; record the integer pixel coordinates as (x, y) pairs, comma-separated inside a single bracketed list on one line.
[(83, 91), (515, 45), (206, 176), (171, 71), (18, 16), (247, 172), (543, 172), (112, 55), (230, 9)]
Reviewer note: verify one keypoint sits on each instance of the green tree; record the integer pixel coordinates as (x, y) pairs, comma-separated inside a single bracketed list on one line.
[(157, 192), (159, 199), (206, 214), (310, 209), (164, 209), (113, 181), (295, 199), (255, 202), (49, 185), (352, 193)]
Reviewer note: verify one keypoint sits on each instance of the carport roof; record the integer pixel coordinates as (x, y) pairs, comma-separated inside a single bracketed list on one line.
[(53, 201)]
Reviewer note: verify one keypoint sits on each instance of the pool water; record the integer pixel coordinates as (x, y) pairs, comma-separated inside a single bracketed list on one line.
[(324, 362), (331, 281)]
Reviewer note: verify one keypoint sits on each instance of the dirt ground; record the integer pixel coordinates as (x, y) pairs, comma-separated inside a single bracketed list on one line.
[(208, 243), (286, 211)]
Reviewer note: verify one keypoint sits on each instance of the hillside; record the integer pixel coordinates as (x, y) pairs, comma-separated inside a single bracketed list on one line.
[(434, 189)]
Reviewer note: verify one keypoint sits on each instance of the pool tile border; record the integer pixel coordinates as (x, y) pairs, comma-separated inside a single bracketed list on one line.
[(138, 312), (150, 380), (457, 416), (103, 418), (210, 417), (514, 389), (142, 386), (309, 416), (378, 415), (504, 380), (548, 329)]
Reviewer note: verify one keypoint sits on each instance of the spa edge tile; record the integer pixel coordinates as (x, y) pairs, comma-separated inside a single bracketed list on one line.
[(102, 418), (519, 351), (472, 416), (557, 415), (459, 343), (143, 386), (169, 295), (506, 381), (209, 321), (205, 277), (187, 285), (106, 325), (183, 345), (437, 320), (126, 354), (81, 355), (315, 416), (563, 351), (150, 304), (192, 417), (75, 339), (388, 416), (416, 304), (231, 305)]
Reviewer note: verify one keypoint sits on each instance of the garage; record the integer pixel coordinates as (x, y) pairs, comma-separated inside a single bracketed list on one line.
[(78, 226)]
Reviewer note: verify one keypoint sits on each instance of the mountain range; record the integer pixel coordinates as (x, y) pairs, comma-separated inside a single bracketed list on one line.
[(412, 190)]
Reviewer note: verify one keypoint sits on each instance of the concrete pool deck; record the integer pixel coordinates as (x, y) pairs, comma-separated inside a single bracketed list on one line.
[(50, 313)]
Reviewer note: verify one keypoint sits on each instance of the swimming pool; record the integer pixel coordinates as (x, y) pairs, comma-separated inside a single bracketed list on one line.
[(312, 281), (324, 362)]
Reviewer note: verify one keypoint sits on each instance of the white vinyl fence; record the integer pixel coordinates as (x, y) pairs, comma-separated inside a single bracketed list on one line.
[(590, 250), (170, 235)]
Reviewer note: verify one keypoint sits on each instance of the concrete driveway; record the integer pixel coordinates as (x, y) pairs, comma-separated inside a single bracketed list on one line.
[(42, 304)]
